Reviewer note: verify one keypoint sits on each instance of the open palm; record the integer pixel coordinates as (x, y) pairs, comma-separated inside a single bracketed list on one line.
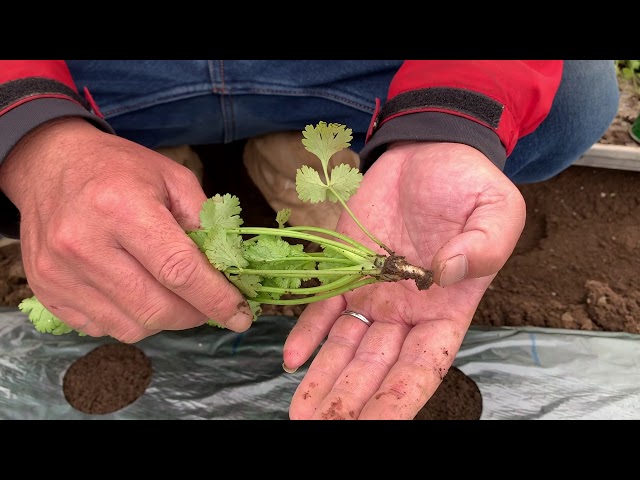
[(429, 203)]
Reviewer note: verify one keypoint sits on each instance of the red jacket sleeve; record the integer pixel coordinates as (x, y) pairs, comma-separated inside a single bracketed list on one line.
[(52, 69), (33, 92), (488, 104)]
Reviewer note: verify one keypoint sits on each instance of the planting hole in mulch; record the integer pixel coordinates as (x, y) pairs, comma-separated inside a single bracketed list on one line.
[(107, 379), (457, 398)]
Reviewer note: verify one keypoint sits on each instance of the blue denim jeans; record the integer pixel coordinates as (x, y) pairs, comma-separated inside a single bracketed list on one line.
[(197, 102)]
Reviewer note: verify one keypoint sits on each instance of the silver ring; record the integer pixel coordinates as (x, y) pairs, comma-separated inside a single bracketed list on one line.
[(359, 316)]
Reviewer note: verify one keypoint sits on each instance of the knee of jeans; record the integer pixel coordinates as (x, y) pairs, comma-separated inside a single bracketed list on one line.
[(586, 103), (595, 95)]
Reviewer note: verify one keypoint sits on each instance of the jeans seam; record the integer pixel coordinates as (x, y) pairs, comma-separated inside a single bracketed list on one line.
[(168, 98), (359, 105), (226, 106)]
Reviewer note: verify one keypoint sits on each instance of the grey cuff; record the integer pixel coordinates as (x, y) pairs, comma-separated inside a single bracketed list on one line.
[(19, 121)]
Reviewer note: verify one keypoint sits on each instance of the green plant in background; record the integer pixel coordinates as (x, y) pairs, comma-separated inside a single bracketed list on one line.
[(629, 70), (265, 267)]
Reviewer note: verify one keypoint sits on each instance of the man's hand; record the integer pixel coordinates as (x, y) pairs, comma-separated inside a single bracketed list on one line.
[(446, 207), (103, 238)]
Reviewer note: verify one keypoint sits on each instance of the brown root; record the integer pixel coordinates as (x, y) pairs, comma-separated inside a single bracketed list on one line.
[(397, 268)]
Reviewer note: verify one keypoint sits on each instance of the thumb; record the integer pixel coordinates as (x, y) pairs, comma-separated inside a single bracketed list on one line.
[(486, 242)]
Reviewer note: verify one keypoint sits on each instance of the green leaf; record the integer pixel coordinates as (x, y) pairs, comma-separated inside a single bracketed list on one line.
[(627, 73), (247, 284), (282, 217), (267, 248), (43, 320), (256, 308), (213, 323), (221, 211), (269, 253), (309, 186), (345, 180), (326, 139), (224, 249), (198, 236)]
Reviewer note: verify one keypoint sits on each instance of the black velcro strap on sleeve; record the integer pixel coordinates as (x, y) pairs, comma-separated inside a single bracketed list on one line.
[(434, 127), (473, 104), (15, 90)]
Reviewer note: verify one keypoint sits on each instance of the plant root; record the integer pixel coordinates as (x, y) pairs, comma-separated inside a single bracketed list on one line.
[(397, 268)]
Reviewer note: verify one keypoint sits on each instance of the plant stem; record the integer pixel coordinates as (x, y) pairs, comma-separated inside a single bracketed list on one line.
[(362, 227), (344, 238), (325, 272), (355, 248), (347, 279), (317, 298)]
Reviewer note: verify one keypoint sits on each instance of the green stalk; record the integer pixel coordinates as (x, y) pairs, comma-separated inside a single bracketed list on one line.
[(360, 250), (347, 279), (325, 272), (312, 258), (316, 298), (344, 205), (344, 238)]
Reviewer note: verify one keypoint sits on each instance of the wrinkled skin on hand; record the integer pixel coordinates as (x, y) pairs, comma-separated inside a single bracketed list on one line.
[(103, 238), (429, 202)]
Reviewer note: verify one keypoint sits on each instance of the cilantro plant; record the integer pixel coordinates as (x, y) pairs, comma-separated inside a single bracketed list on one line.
[(260, 261), (629, 70)]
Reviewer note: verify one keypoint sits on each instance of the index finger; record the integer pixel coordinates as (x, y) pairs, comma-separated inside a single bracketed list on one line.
[(164, 249), (425, 358)]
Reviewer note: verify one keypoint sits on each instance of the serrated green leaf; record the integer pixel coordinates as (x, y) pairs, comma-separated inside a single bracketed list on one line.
[(282, 217), (213, 323), (198, 236), (325, 139), (224, 249), (256, 308), (221, 211), (309, 186), (271, 253), (247, 284), (43, 320), (282, 282), (345, 180), (267, 248)]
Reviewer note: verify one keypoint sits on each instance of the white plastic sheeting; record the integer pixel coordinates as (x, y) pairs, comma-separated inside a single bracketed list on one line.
[(210, 373)]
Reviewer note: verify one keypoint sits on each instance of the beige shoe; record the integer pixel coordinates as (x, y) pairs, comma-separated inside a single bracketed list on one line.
[(186, 156), (272, 161), (4, 241)]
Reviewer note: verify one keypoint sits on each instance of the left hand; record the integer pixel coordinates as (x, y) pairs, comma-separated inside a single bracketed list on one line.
[(430, 202)]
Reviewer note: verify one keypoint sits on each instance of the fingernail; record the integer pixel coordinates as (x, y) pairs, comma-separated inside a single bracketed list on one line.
[(455, 269), (239, 322), (287, 369)]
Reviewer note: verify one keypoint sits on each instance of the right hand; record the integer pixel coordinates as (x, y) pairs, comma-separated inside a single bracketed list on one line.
[(103, 237)]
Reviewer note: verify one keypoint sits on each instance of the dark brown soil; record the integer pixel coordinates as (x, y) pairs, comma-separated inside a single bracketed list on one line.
[(107, 379), (13, 282), (575, 266), (457, 398)]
